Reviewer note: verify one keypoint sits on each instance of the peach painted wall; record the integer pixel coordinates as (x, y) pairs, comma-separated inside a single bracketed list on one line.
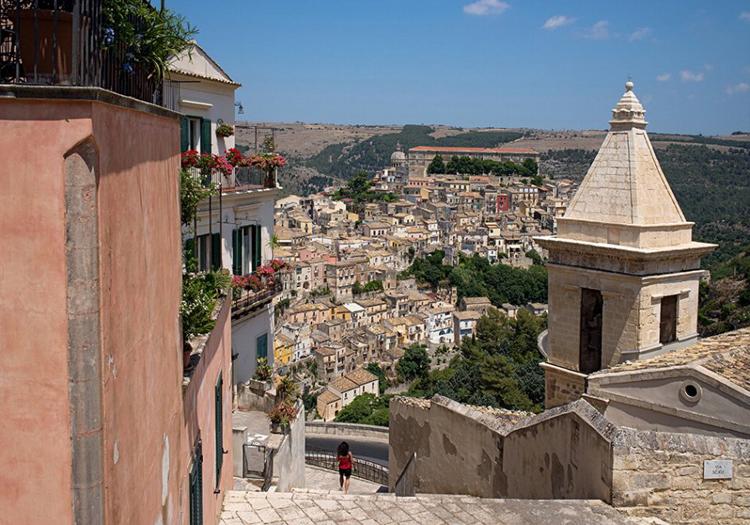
[(199, 402), (35, 451), (140, 278)]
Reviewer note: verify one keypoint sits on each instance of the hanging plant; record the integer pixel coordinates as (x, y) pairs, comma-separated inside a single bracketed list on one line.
[(224, 130)]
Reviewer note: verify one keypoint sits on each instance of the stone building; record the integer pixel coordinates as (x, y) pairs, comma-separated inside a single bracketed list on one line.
[(623, 268)]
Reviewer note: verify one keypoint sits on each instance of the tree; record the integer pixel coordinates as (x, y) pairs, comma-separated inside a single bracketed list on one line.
[(437, 165), (366, 409), (415, 363), (376, 370)]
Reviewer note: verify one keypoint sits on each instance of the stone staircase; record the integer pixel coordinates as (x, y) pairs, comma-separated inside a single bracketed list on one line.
[(322, 507)]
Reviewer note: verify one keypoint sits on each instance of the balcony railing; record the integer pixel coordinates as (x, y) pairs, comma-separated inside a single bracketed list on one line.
[(249, 300), (240, 179), (64, 42)]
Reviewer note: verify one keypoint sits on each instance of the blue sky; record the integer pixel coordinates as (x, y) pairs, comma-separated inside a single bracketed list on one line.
[(512, 63)]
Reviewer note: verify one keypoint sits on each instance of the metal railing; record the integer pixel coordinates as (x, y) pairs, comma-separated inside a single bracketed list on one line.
[(65, 42), (361, 468), (249, 300), (406, 482), (241, 178), (257, 463)]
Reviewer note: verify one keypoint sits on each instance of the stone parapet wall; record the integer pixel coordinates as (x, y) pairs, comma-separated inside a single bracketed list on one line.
[(661, 474), (569, 452), (347, 429)]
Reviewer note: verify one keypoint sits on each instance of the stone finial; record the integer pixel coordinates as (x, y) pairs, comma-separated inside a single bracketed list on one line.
[(628, 113)]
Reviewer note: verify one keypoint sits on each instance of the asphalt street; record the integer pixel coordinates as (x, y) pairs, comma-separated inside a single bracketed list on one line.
[(375, 451)]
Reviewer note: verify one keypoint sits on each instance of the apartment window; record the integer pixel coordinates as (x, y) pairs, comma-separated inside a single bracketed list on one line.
[(195, 133), (668, 320), (246, 249), (196, 486), (261, 346), (209, 251), (219, 431)]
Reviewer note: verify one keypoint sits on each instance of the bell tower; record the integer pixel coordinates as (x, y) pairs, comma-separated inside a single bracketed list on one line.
[(623, 268)]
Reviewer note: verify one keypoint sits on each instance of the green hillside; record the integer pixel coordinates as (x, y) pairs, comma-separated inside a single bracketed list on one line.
[(346, 159)]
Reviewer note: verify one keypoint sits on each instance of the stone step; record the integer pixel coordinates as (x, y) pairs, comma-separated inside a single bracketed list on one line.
[(320, 507)]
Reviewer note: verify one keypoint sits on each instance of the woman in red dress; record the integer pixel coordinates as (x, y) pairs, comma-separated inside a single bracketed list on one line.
[(346, 461)]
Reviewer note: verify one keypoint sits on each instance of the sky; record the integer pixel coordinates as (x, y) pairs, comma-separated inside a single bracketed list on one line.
[(476, 63)]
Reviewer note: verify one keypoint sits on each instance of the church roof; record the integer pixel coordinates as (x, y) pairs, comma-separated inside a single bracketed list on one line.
[(625, 184), (727, 355)]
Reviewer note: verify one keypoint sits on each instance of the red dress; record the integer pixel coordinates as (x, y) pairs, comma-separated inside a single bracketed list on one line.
[(345, 462)]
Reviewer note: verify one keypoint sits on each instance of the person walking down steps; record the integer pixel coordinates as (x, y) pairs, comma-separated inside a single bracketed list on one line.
[(346, 462)]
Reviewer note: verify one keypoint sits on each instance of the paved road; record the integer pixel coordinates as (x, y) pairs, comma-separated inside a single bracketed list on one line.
[(375, 451)]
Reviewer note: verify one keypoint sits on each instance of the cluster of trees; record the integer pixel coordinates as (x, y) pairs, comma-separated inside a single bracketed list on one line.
[(475, 166), (371, 286), (476, 276), (498, 367), (359, 190), (366, 409), (341, 160), (414, 364), (725, 302)]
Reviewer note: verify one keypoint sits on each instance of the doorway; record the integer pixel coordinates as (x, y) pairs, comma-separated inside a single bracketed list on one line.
[(590, 351), (668, 320)]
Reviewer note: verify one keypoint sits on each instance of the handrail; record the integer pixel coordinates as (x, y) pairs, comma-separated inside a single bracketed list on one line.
[(361, 468), (407, 475)]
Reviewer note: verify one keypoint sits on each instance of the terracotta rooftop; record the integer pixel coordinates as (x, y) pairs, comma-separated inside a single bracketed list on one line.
[(489, 151), (327, 397), (342, 384), (361, 376), (727, 355)]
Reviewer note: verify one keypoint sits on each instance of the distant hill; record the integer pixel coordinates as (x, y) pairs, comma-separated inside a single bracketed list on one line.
[(372, 154), (725, 302)]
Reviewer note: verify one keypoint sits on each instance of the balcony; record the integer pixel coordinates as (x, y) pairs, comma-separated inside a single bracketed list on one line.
[(247, 301), (65, 43), (241, 179)]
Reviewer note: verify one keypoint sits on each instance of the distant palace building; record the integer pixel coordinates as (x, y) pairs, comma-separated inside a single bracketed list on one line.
[(420, 157)]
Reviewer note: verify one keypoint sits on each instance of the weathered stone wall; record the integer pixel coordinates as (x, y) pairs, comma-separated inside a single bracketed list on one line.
[(661, 474), (562, 386), (347, 429)]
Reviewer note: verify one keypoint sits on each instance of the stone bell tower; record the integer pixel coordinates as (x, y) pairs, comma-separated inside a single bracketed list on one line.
[(623, 268)]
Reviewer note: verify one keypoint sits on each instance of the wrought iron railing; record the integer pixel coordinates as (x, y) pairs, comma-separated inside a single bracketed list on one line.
[(248, 300), (406, 482), (65, 42), (361, 468), (241, 178)]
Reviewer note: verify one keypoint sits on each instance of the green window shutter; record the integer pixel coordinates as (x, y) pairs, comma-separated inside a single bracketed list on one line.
[(205, 136), (257, 248), (236, 252), (219, 410), (216, 251), (184, 134), (261, 346), (202, 253), (196, 487)]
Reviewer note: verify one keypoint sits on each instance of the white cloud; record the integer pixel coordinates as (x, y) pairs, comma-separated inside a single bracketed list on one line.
[(599, 31), (486, 7), (639, 34), (745, 15), (558, 21), (690, 76), (742, 87), (663, 77)]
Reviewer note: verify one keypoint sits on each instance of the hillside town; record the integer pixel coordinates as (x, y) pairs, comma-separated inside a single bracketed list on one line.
[(344, 300), (456, 337)]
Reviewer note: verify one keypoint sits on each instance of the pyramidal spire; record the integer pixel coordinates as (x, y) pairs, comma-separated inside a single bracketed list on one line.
[(628, 113)]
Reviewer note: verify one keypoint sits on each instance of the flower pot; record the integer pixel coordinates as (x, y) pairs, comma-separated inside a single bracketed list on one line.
[(48, 58)]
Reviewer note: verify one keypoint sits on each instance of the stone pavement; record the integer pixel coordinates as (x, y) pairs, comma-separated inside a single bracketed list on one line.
[(322, 479), (319, 507)]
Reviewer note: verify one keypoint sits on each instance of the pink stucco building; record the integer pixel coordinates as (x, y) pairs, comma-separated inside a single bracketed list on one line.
[(100, 423)]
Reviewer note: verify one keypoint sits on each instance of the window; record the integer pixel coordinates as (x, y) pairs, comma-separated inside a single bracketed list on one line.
[(590, 350), (261, 346), (195, 133), (219, 431), (196, 486), (209, 250), (668, 320)]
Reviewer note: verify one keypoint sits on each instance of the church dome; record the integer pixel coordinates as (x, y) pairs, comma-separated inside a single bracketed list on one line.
[(398, 156)]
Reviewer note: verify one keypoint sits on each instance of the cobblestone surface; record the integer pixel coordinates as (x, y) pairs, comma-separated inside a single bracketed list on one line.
[(322, 479), (320, 507)]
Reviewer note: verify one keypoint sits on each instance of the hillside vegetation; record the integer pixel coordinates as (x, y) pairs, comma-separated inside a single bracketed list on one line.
[(344, 159), (725, 302)]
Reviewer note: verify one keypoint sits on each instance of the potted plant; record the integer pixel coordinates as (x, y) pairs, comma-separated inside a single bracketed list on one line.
[(224, 130), (287, 389), (263, 371), (281, 416)]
